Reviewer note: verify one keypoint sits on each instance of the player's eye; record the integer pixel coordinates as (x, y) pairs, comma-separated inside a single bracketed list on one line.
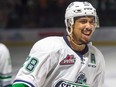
[(83, 21)]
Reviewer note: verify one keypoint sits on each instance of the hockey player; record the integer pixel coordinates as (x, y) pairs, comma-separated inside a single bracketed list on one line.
[(5, 66), (69, 61)]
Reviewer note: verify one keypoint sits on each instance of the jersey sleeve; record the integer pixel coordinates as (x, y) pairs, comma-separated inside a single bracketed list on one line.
[(37, 66), (5, 66)]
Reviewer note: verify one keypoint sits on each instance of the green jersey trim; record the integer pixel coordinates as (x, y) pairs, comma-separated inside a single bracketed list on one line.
[(5, 77), (19, 85)]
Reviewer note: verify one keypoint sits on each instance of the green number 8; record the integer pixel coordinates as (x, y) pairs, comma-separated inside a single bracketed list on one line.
[(32, 64)]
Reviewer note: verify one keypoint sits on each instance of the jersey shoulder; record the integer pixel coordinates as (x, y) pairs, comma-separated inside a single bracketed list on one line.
[(50, 43), (94, 49)]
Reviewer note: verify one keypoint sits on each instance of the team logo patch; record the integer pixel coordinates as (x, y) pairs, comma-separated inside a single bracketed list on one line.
[(81, 78), (68, 60)]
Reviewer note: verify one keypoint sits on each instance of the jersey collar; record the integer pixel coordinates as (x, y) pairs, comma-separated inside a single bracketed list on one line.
[(80, 53)]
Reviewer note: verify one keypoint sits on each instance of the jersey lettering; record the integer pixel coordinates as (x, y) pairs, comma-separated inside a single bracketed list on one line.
[(69, 84)]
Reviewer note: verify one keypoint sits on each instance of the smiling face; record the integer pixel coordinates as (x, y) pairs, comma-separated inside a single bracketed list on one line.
[(83, 29)]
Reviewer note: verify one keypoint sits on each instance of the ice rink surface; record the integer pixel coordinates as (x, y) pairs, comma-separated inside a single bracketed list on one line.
[(19, 54)]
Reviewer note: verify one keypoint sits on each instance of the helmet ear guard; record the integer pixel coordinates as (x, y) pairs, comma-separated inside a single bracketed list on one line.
[(97, 25), (69, 22)]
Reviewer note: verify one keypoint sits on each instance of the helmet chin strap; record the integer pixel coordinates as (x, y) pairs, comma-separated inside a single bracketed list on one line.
[(70, 35), (75, 46), (78, 46)]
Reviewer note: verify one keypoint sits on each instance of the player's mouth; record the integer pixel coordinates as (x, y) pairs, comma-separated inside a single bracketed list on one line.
[(86, 32)]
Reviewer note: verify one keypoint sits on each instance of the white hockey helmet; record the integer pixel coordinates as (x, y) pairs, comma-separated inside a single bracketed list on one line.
[(77, 9)]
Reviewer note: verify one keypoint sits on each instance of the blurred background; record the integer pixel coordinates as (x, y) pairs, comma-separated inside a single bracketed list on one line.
[(23, 22), (48, 13)]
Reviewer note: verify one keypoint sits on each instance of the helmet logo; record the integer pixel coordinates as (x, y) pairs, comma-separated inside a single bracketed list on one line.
[(77, 11)]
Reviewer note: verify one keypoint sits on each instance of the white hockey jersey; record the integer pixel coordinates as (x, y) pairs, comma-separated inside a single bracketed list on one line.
[(5, 66), (52, 63)]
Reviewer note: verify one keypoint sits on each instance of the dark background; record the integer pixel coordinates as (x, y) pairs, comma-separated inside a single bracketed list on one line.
[(19, 14)]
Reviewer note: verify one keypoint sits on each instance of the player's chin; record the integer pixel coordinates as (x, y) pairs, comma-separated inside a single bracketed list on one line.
[(85, 41)]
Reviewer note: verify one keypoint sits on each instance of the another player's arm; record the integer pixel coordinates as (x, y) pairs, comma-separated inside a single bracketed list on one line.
[(6, 70)]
